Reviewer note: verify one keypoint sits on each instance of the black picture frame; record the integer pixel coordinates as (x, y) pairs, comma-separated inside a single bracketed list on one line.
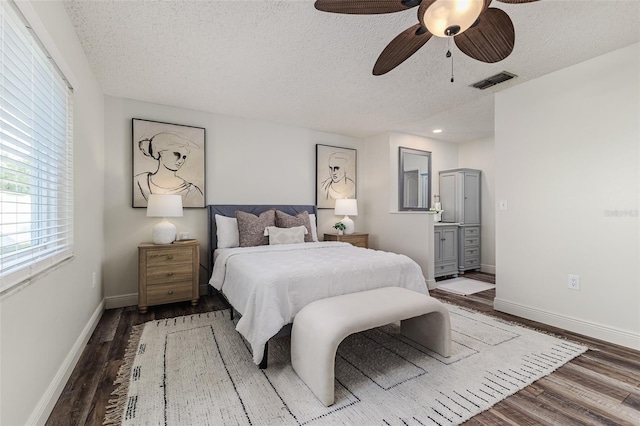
[(167, 159), (336, 174)]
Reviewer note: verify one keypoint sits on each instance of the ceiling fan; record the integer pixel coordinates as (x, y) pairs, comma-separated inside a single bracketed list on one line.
[(481, 32)]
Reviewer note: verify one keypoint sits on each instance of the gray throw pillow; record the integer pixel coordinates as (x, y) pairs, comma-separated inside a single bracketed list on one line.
[(251, 227)]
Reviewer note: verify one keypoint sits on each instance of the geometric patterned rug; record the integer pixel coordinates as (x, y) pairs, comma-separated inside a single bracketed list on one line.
[(197, 370)]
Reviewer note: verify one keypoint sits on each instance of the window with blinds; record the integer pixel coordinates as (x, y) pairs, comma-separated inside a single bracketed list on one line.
[(36, 174)]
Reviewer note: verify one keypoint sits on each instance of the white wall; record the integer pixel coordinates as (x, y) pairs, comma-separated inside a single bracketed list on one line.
[(45, 324), (247, 162), (409, 233), (479, 154), (567, 156)]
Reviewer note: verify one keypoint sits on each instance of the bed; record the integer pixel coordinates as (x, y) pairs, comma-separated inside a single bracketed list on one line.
[(268, 284)]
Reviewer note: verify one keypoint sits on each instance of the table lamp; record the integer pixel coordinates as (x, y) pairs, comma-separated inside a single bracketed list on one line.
[(347, 207), (164, 206)]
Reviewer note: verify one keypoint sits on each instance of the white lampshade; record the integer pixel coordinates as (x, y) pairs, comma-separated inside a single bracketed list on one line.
[(160, 205), (164, 206), (446, 18), (346, 207)]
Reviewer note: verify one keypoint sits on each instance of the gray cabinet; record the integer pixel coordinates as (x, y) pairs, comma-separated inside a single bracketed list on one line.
[(460, 198), (468, 247), (445, 250)]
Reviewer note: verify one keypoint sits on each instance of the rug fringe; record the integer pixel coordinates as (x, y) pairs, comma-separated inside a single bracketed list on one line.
[(117, 403)]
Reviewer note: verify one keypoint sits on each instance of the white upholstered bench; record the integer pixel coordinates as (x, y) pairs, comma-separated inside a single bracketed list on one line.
[(320, 326)]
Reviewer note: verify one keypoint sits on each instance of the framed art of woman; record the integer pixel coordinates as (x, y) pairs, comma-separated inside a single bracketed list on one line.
[(168, 159)]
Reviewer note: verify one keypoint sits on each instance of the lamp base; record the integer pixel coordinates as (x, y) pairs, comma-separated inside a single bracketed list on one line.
[(164, 232), (349, 225)]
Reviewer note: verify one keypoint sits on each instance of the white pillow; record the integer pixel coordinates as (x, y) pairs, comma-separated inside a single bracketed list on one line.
[(293, 235), (314, 229), (227, 232)]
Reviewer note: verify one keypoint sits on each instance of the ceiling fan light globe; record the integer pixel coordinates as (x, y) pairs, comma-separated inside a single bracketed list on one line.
[(443, 15)]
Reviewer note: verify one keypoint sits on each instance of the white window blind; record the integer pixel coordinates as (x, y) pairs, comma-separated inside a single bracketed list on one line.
[(36, 185)]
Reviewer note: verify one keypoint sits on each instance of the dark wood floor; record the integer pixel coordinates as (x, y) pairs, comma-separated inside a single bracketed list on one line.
[(600, 387)]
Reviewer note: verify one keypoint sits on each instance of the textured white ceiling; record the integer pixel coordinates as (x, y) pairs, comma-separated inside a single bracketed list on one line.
[(286, 62)]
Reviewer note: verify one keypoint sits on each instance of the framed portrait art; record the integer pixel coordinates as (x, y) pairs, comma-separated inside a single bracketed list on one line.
[(168, 159), (335, 175)]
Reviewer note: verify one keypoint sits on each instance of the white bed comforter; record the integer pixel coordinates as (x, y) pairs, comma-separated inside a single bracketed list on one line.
[(269, 285)]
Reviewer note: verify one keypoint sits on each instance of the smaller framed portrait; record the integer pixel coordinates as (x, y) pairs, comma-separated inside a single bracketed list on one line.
[(335, 175), (168, 159)]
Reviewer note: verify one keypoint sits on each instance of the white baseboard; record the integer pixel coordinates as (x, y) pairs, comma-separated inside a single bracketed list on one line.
[(597, 331), (489, 269), (121, 301), (131, 299), (41, 413)]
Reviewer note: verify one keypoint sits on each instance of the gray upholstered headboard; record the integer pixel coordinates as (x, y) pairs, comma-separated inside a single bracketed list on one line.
[(229, 210)]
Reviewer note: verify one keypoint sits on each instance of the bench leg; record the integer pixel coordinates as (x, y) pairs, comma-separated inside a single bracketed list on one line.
[(432, 330), (313, 359)]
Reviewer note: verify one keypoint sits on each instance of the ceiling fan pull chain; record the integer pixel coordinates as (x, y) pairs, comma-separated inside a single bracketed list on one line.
[(450, 56), (452, 69)]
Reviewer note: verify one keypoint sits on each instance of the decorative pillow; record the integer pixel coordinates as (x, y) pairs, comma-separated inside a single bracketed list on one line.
[(293, 235), (251, 227), (314, 228), (284, 220), (227, 232)]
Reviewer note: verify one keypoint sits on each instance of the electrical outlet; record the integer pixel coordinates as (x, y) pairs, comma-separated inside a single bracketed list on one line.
[(93, 280), (574, 282)]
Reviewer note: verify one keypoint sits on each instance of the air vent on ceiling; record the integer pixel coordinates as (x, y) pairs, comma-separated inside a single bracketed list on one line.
[(493, 80)]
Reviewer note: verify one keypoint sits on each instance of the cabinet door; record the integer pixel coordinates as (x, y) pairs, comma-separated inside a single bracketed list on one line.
[(448, 197), (449, 244), (471, 198), (437, 244)]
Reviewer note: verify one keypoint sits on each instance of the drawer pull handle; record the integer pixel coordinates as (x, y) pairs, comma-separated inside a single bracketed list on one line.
[(170, 257), (170, 292), (169, 274)]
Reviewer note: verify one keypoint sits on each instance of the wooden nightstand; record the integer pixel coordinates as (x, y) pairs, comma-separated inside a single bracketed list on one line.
[(357, 239), (168, 273)]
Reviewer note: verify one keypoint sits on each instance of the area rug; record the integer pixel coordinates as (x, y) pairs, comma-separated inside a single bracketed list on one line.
[(463, 286), (197, 370)]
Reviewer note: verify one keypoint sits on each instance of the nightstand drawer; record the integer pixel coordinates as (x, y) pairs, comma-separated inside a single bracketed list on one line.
[(167, 274), (167, 293), (357, 239), (162, 258)]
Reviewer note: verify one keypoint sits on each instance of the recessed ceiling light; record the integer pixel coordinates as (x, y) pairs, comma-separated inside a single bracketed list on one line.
[(437, 131)]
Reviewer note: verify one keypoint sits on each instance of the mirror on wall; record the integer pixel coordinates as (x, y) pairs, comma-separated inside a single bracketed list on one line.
[(414, 180)]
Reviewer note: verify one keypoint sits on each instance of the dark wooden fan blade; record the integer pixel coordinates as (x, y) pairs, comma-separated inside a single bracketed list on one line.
[(365, 7), (401, 48), (491, 40), (517, 1)]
